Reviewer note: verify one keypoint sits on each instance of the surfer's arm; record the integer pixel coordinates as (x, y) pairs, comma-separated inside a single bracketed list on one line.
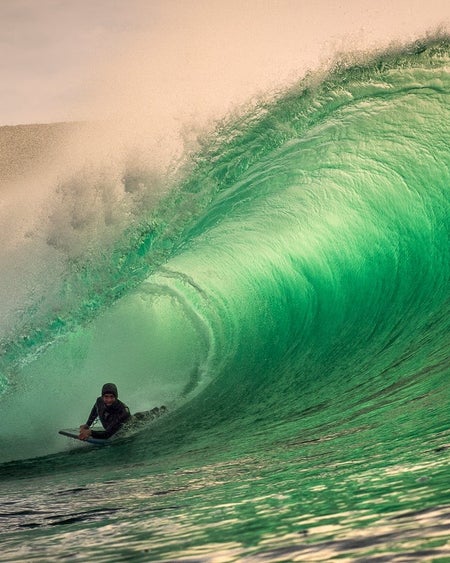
[(100, 434), (93, 415), (85, 430), (114, 426), (109, 431)]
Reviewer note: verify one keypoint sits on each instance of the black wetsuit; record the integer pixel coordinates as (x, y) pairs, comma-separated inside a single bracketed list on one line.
[(112, 417)]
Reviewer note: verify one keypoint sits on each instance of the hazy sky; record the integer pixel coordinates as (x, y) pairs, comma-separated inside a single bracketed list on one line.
[(75, 59)]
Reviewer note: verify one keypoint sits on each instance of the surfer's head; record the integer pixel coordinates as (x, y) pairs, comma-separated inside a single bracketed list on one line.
[(109, 390)]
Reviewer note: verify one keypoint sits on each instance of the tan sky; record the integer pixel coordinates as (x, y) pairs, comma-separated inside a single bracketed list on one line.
[(64, 60)]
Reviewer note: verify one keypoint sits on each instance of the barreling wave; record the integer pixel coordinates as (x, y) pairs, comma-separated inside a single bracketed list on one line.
[(300, 262)]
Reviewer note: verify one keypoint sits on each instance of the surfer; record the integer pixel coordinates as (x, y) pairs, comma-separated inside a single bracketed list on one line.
[(111, 412)]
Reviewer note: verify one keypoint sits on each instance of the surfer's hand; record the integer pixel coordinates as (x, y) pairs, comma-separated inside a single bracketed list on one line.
[(84, 433)]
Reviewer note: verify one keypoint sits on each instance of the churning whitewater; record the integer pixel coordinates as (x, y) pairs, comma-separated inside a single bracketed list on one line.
[(286, 294)]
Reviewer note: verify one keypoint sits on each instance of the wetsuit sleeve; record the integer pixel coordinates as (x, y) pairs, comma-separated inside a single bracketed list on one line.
[(92, 416), (114, 425)]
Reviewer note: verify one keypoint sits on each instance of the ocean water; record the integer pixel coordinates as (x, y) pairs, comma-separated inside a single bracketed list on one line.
[(284, 290)]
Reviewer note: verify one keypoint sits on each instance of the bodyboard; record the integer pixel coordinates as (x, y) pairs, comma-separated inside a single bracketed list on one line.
[(136, 422), (94, 441)]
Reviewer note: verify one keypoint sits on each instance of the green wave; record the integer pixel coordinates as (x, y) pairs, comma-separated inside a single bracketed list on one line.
[(298, 262)]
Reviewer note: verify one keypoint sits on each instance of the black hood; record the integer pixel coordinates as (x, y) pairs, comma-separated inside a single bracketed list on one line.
[(110, 388)]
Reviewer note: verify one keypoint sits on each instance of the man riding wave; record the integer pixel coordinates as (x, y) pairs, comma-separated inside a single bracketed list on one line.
[(111, 412)]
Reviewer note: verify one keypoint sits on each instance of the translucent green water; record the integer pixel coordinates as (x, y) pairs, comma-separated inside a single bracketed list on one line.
[(288, 299)]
